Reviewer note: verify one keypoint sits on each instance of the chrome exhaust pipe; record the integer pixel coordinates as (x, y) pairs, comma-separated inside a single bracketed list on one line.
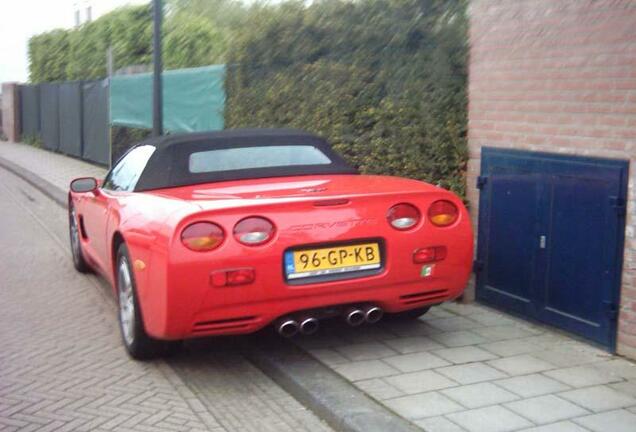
[(287, 327), (373, 314), (354, 317), (309, 326)]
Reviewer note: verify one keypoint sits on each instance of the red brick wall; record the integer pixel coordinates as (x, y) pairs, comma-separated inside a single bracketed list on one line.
[(558, 76), (10, 111)]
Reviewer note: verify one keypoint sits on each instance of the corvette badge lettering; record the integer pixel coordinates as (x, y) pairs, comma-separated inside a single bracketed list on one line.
[(326, 225)]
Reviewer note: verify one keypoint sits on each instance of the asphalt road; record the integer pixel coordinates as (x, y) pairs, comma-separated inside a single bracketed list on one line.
[(62, 366)]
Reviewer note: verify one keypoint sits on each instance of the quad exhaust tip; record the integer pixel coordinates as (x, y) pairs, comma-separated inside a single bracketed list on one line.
[(288, 327), (355, 317), (309, 326), (373, 314)]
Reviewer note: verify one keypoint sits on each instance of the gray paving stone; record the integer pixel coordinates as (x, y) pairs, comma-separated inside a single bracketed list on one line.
[(510, 347), (532, 385), (465, 308), (492, 319), (419, 382), (471, 373), (423, 405), (322, 340), (503, 332), (416, 361), (453, 323), (563, 426), (467, 354), (546, 409), (521, 365), (617, 367), (361, 370), (364, 334), (378, 389), (571, 355), (627, 387), (548, 339), (479, 395), (599, 398), (438, 312), (438, 424), (407, 345), (329, 356), (489, 419), (582, 376), (610, 421), (366, 351), (411, 328), (458, 338)]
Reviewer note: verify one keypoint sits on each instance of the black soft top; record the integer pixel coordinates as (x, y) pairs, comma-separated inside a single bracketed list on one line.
[(168, 166)]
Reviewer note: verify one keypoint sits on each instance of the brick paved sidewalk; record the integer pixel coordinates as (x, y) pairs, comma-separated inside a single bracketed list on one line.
[(470, 368), (62, 364), (56, 168)]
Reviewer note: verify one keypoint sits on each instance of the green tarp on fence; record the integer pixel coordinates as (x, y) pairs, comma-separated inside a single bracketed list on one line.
[(193, 99)]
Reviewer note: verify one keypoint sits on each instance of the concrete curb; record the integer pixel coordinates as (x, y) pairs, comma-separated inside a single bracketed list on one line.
[(44, 186), (325, 393)]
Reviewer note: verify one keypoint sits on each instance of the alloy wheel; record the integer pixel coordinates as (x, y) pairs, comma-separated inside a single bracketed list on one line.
[(126, 301)]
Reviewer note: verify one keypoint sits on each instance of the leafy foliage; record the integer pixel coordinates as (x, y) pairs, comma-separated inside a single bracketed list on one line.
[(384, 80), (81, 53), (49, 55), (192, 41)]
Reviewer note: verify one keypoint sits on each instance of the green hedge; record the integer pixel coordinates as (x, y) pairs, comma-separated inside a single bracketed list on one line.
[(384, 80), (80, 54)]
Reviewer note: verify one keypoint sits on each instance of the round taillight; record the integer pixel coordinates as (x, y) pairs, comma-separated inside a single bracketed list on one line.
[(254, 231), (403, 216), (202, 236), (443, 213)]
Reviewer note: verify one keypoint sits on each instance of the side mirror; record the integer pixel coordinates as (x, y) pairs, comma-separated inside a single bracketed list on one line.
[(84, 184)]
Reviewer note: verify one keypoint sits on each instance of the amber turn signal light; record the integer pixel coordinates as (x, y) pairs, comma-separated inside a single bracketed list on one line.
[(443, 213), (202, 236)]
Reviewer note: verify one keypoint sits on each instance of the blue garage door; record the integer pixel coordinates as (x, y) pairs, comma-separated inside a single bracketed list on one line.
[(551, 239)]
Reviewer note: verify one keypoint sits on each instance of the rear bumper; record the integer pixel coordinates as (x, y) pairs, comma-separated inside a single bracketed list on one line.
[(192, 310), (248, 318)]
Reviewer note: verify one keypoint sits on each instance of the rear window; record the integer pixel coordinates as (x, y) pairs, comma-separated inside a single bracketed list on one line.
[(240, 158)]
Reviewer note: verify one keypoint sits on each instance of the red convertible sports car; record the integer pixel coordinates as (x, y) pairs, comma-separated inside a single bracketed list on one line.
[(227, 232)]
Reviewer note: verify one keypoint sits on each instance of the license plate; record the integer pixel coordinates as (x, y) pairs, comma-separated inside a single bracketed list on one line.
[(332, 260)]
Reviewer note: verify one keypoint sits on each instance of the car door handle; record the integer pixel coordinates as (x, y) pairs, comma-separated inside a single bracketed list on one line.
[(542, 242)]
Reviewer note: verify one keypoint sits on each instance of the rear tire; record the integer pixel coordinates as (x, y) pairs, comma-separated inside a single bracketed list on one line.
[(409, 315), (79, 262), (137, 342)]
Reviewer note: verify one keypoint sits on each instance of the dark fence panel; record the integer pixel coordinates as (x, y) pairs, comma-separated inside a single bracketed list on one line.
[(70, 114), (95, 115), (49, 113), (30, 110)]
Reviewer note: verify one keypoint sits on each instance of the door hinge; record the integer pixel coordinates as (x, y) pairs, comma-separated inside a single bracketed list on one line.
[(619, 205), (611, 310), (478, 266), (481, 182)]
